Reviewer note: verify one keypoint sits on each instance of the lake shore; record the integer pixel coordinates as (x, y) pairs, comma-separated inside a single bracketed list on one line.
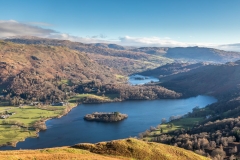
[(71, 126), (64, 112)]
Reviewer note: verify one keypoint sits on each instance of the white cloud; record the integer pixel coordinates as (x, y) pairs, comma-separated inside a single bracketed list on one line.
[(168, 42), (64, 36), (229, 47), (12, 28), (150, 41)]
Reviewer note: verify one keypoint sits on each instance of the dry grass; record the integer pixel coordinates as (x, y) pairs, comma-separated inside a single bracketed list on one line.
[(62, 153), (137, 149), (126, 149)]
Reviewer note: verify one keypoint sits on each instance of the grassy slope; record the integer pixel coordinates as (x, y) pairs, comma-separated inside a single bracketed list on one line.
[(62, 153), (138, 149), (117, 149)]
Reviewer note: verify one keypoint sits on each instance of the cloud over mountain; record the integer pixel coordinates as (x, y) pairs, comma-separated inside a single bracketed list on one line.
[(230, 47), (151, 41), (12, 28)]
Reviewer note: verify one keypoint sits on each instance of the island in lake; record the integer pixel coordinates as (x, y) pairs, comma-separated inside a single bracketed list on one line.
[(105, 117)]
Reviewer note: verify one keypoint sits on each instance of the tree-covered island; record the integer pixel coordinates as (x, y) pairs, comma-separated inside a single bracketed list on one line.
[(105, 117)]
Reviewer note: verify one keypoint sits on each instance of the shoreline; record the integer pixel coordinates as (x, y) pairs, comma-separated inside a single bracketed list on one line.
[(61, 115), (14, 144)]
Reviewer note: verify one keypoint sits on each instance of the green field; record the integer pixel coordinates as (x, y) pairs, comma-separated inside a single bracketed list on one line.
[(80, 97), (19, 126), (28, 115), (10, 134), (182, 123), (2, 109)]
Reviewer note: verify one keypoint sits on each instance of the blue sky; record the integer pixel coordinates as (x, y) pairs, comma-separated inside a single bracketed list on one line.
[(126, 22)]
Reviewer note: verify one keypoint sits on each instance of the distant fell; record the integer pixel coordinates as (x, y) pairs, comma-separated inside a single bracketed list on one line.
[(192, 54), (210, 79), (172, 69), (202, 54), (115, 56)]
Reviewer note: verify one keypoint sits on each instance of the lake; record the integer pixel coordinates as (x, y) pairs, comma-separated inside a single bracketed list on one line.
[(72, 128), (137, 79)]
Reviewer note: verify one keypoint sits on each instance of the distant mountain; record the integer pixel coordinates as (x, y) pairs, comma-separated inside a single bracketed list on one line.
[(111, 46), (138, 59), (216, 80), (152, 50), (202, 54), (112, 55), (172, 69), (192, 54), (98, 48)]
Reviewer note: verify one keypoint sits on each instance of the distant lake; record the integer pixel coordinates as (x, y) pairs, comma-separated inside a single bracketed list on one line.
[(72, 129), (137, 79)]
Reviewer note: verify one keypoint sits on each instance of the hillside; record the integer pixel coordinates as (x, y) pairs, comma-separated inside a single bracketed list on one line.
[(46, 72), (54, 73), (211, 79), (202, 54), (105, 54), (172, 69), (192, 54), (118, 149), (129, 60), (214, 129)]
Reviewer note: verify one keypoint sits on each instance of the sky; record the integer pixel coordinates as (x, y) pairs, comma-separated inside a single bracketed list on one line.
[(160, 23)]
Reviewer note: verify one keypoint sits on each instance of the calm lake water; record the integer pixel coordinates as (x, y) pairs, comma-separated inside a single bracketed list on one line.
[(133, 80), (72, 129)]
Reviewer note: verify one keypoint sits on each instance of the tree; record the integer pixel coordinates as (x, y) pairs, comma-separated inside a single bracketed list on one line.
[(163, 120), (116, 113), (212, 144), (218, 151), (233, 150), (161, 130)]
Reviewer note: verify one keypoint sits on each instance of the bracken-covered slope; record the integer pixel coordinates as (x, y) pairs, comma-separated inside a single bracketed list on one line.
[(49, 61), (127, 149), (38, 70), (127, 61)]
